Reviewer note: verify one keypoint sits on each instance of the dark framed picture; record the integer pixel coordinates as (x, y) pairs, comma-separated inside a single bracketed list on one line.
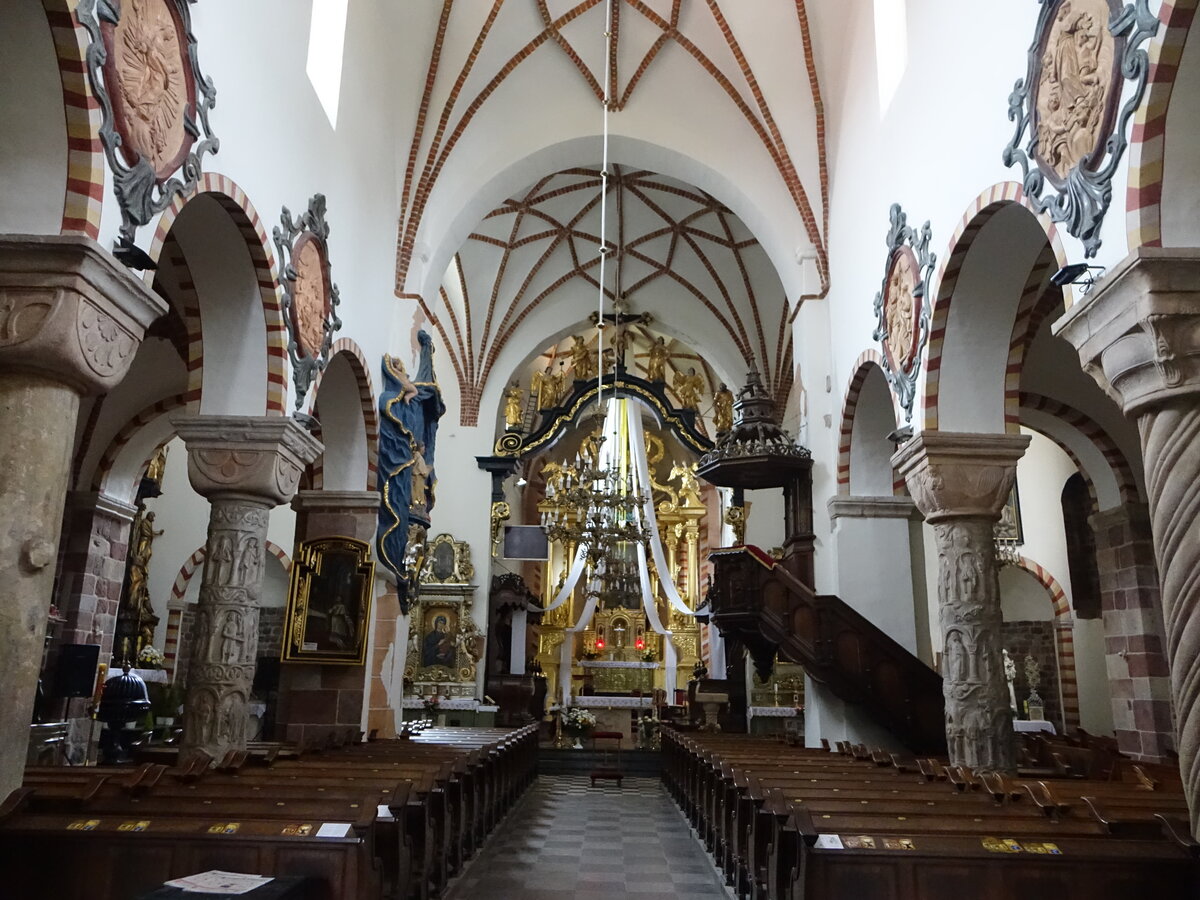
[(329, 602), (1009, 529)]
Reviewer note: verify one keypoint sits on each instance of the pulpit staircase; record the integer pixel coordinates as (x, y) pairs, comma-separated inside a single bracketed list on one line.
[(759, 603)]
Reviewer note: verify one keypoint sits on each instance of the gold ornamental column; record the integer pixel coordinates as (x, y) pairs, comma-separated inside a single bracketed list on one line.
[(71, 320), (1138, 336), (959, 483), (243, 465)]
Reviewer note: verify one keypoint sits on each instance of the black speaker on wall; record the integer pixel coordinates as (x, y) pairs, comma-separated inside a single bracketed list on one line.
[(76, 672)]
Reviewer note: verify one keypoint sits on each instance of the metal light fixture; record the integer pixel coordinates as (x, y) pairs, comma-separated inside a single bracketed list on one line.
[(1077, 273)]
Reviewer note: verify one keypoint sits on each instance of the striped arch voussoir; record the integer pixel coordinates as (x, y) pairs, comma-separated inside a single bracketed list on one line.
[(862, 367), (234, 200), (366, 397), (104, 469), (978, 213)]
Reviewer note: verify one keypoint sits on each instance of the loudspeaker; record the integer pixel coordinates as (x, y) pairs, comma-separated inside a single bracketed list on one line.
[(76, 672)]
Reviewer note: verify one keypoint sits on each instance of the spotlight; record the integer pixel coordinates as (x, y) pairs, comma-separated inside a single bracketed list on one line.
[(133, 256), (901, 436), (1077, 273)]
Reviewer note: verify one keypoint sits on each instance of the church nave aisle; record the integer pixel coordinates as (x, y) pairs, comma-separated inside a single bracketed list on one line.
[(569, 841)]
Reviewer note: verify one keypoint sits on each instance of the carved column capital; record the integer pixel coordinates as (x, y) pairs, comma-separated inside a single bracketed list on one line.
[(957, 475), (259, 458), (70, 312), (1138, 332), (343, 501)]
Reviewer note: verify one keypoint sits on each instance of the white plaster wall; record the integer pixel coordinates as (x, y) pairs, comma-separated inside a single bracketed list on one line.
[(1023, 598), (875, 574), (33, 138), (1095, 704)]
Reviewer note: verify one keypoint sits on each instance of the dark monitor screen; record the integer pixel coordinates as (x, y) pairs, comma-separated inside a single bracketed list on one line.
[(525, 542)]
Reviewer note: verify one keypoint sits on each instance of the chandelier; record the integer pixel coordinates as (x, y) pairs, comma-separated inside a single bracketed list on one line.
[(591, 507)]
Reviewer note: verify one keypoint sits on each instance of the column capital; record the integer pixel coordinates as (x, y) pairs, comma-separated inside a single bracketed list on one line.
[(850, 507), (1138, 332), (70, 312), (257, 458), (956, 474), (340, 501)]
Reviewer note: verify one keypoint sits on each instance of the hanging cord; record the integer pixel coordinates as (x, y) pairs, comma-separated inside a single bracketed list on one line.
[(603, 251)]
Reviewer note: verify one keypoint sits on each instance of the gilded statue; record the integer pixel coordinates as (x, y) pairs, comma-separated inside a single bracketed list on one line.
[(688, 388), (589, 447), (512, 406), (420, 480), (157, 466), (900, 312), (545, 386), (723, 409), (689, 485), (656, 366), (561, 382), (583, 361), (1073, 87), (621, 342)]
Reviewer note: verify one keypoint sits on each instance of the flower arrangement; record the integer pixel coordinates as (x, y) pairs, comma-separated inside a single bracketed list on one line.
[(432, 703), (577, 721), (648, 655), (648, 731), (150, 658)]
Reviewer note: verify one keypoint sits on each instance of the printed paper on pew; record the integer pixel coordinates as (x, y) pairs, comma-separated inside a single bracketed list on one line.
[(829, 842), (334, 830), (384, 813), (217, 882)]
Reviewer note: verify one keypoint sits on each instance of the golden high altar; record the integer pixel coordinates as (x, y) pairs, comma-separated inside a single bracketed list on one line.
[(618, 653)]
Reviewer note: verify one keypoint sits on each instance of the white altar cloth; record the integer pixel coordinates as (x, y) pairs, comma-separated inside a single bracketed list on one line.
[(1033, 725), (612, 702), (772, 712), (147, 675), (455, 703), (616, 664)]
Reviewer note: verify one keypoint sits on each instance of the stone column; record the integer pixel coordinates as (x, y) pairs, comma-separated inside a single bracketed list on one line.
[(1138, 336), (71, 319), (1134, 641), (317, 699), (244, 465), (959, 483)]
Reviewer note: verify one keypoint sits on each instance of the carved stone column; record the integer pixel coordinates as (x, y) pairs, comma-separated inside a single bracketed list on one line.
[(244, 465), (71, 319), (1138, 335), (959, 483)]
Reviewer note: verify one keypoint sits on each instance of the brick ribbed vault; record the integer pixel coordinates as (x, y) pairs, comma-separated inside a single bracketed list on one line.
[(679, 254)]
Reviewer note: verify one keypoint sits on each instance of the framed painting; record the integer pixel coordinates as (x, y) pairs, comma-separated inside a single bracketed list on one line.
[(1009, 529), (329, 602)]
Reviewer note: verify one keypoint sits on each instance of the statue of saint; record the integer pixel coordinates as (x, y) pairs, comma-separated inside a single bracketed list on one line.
[(157, 466), (546, 388), (589, 447), (583, 361), (420, 480), (656, 367), (723, 409), (621, 342), (688, 388), (512, 406), (231, 638)]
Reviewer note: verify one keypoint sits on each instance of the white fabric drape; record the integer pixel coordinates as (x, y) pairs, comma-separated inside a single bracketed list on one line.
[(638, 450), (564, 592), (670, 656), (568, 648)]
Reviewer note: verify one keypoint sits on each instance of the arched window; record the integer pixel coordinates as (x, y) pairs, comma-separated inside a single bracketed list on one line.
[(1081, 548)]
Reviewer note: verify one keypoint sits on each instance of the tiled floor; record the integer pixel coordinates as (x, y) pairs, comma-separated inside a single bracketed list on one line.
[(569, 841)]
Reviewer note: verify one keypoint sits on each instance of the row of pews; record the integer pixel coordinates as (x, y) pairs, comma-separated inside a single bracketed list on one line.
[(384, 819), (790, 823)]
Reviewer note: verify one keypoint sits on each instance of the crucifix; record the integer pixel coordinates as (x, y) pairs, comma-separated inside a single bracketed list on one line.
[(620, 318)]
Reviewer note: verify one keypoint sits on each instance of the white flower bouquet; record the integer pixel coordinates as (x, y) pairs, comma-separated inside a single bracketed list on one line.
[(150, 658), (577, 721)]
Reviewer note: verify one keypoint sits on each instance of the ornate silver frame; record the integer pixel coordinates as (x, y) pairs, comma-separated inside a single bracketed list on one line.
[(304, 367), (1082, 202), (140, 193), (900, 235)]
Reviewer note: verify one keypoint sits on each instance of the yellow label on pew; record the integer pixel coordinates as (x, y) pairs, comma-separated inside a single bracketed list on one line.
[(1000, 845), (1044, 847), (899, 844), (83, 825), (134, 826), (224, 828), (297, 830)]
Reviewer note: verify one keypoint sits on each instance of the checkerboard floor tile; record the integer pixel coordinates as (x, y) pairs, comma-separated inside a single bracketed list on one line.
[(566, 840)]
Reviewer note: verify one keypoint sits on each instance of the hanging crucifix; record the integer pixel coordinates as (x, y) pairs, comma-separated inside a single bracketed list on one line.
[(620, 318)]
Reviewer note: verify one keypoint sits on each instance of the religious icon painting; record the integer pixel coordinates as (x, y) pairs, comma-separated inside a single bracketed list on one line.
[(1071, 129), (902, 307), (310, 298), (329, 602), (154, 102)]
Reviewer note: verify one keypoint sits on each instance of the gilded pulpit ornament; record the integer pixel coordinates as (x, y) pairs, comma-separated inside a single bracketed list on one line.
[(901, 306), (154, 102), (1082, 52), (310, 298)]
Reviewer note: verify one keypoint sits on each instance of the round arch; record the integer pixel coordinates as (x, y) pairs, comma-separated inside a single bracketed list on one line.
[(233, 200), (859, 412), (1064, 639), (993, 260), (350, 428)]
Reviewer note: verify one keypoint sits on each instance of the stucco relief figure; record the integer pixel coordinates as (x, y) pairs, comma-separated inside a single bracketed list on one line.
[(232, 638), (222, 560), (248, 563), (198, 720), (688, 388), (512, 406), (152, 82), (956, 657), (231, 722), (583, 361), (1076, 77), (309, 297), (900, 311), (723, 409), (656, 365)]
